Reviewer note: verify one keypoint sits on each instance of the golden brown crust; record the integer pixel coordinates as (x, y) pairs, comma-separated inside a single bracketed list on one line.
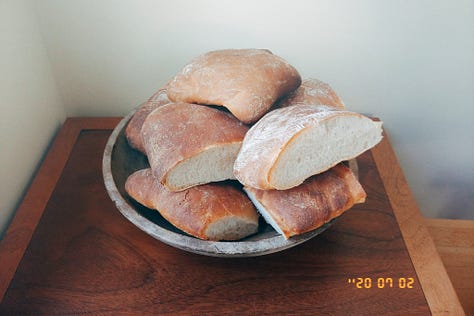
[(246, 81), (192, 210), (270, 136), (178, 131), (313, 203), (141, 186), (313, 91), (134, 126)]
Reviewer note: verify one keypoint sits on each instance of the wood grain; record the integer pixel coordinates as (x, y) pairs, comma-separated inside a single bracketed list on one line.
[(454, 240), (435, 282), (27, 215), (84, 257)]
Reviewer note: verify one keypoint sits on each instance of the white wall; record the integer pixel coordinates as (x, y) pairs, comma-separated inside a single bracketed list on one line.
[(30, 106), (411, 63)]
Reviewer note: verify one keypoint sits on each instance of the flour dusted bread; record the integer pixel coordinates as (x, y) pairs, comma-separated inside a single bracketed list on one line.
[(313, 91), (310, 205), (216, 211), (290, 144), (245, 81), (190, 144), (134, 127)]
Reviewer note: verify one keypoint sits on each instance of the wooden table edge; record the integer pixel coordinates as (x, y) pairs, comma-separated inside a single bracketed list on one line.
[(27, 215), (437, 287)]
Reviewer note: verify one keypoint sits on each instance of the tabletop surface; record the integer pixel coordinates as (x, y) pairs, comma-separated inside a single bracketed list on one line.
[(69, 250)]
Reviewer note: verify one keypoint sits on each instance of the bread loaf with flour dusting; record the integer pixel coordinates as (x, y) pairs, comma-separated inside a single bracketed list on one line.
[(245, 81), (310, 205), (312, 91), (216, 211), (290, 144), (191, 144), (134, 126)]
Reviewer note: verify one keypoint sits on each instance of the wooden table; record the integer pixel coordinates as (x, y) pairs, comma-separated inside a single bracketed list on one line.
[(454, 240), (69, 251)]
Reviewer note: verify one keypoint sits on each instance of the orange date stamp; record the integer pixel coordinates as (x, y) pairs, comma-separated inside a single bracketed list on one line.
[(382, 283)]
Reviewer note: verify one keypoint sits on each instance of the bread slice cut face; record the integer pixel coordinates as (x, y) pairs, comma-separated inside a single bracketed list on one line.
[(190, 144), (291, 144), (215, 211)]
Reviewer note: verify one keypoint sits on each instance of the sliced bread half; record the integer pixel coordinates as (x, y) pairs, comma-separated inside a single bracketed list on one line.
[(190, 144), (290, 144), (216, 211)]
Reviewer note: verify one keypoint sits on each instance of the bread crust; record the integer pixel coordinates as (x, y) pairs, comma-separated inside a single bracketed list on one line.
[(271, 135), (178, 131), (312, 91), (134, 126), (313, 203), (196, 209), (245, 81)]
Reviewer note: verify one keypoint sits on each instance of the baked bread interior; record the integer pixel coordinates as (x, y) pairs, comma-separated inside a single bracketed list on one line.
[(290, 144), (190, 144), (216, 211)]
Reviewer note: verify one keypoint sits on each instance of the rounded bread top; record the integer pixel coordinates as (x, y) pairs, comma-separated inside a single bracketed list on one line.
[(313, 91), (245, 81)]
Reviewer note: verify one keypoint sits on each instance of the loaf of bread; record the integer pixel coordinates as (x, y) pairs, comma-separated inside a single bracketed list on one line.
[(211, 211), (313, 91), (245, 81), (290, 144), (310, 205), (134, 126), (195, 136), (190, 144)]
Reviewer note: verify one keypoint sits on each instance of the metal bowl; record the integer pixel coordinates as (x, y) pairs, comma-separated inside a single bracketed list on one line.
[(120, 160)]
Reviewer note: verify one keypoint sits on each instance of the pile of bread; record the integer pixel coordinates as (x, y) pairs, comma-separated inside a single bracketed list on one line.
[(237, 133)]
